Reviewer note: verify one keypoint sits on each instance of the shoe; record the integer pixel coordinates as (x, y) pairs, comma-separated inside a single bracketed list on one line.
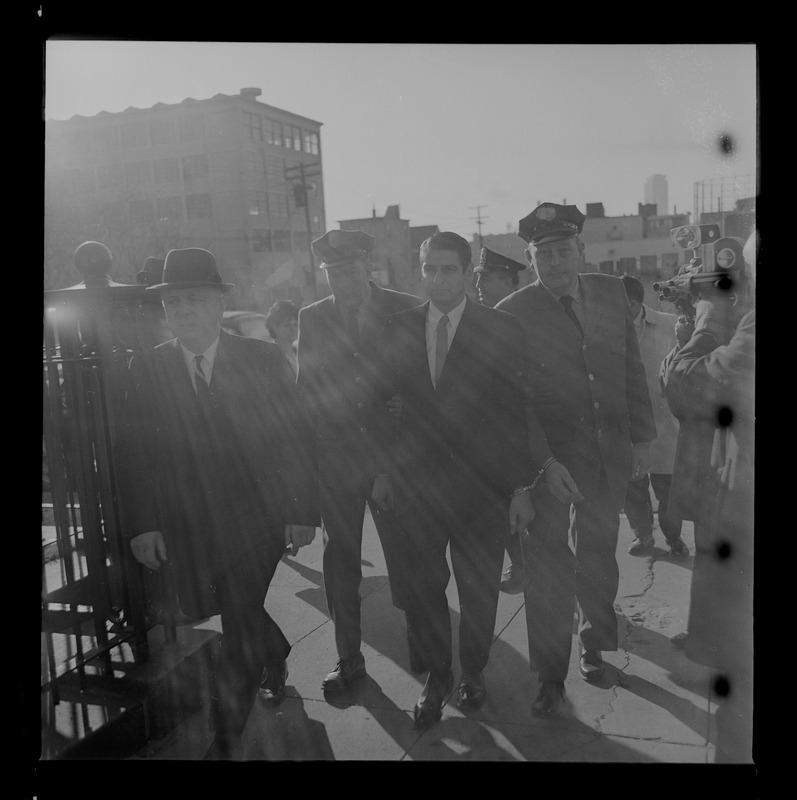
[(679, 549), (550, 699), (272, 688), (513, 580), (417, 659), (590, 665), (642, 545), (429, 707), (346, 671), (679, 640), (471, 691)]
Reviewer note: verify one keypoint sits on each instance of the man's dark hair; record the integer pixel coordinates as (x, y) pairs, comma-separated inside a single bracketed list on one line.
[(281, 311), (447, 240), (633, 288)]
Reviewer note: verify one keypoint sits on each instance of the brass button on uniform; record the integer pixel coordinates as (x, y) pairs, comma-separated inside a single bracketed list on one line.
[(360, 405), (596, 405), (591, 377)]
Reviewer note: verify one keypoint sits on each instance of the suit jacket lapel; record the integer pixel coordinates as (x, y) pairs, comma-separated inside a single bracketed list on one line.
[(460, 346)]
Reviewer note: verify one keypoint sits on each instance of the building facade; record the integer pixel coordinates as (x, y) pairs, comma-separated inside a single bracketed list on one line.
[(231, 174), (656, 194)]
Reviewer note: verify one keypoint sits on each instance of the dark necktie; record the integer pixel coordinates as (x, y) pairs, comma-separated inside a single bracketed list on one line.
[(567, 304), (354, 327), (202, 388), (441, 348)]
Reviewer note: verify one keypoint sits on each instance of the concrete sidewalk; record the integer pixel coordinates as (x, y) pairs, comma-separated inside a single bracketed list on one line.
[(652, 705)]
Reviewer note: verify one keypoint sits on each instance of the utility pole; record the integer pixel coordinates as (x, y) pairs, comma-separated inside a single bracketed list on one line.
[(478, 219), (296, 176)]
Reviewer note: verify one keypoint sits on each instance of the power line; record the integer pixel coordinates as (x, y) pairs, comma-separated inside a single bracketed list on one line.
[(478, 219)]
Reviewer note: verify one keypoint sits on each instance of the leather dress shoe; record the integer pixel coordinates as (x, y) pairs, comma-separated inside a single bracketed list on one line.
[(642, 545), (429, 707), (678, 548), (550, 699), (346, 671), (590, 665), (471, 691), (272, 689), (513, 580)]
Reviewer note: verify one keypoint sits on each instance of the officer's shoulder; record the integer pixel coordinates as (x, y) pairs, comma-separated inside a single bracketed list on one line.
[(517, 297), (600, 279), (400, 299)]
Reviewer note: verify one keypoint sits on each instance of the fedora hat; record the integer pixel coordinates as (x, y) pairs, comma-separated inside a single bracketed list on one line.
[(189, 268)]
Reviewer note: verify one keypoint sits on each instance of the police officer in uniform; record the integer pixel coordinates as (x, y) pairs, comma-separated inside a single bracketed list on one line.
[(497, 276), (588, 390), (341, 381)]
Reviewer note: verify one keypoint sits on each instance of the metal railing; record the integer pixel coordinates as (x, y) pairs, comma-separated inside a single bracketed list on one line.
[(97, 602)]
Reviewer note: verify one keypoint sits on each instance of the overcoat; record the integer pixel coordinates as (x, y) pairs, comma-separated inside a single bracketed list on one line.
[(343, 386), (590, 395), (215, 481)]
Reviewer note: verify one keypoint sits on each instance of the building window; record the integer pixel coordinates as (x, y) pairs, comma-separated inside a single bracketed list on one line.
[(134, 134), (166, 170), (281, 241), (162, 131), (137, 174), (253, 125), (299, 239), (195, 167), (255, 164), (109, 175), (278, 204), (275, 170), (169, 208), (141, 211), (191, 126), (261, 241), (669, 263), (198, 206), (607, 267), (628, 265), (258, 203), (648, 264), (297, 138), (311, 143), (106, 139), (273, 132)]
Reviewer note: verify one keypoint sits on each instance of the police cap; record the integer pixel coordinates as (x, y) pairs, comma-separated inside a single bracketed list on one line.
[(490, 261), (342, 247), (550, 222)]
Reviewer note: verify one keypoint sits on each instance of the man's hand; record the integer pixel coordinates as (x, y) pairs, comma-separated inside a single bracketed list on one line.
[(717, 316), (149, 549), (382, 492), (684, 328), (297, 536), (394, 406), (521, 512), (561, 484), (640, 460)]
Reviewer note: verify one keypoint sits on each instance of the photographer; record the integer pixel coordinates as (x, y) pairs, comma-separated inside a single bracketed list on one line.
[(709, 383)]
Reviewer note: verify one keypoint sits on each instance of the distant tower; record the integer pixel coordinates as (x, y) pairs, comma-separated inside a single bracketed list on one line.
[(656, 192)]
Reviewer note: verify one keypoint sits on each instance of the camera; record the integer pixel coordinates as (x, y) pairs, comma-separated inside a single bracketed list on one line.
[(720, 269)]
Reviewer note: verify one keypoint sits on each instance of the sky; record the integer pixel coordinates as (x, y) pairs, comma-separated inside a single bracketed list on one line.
[(451, 131)]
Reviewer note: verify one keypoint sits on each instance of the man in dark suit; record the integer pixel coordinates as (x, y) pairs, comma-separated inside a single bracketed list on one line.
[(587, 387), (342, 385), (215, 475), (460, 466)]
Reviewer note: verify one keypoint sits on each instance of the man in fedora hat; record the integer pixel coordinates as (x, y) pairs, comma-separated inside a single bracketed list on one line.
[(341, 381), (587, 388), (215, 476)]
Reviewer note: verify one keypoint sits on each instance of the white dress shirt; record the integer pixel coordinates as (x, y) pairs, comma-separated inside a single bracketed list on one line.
[(207, 362), (433, 316)]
